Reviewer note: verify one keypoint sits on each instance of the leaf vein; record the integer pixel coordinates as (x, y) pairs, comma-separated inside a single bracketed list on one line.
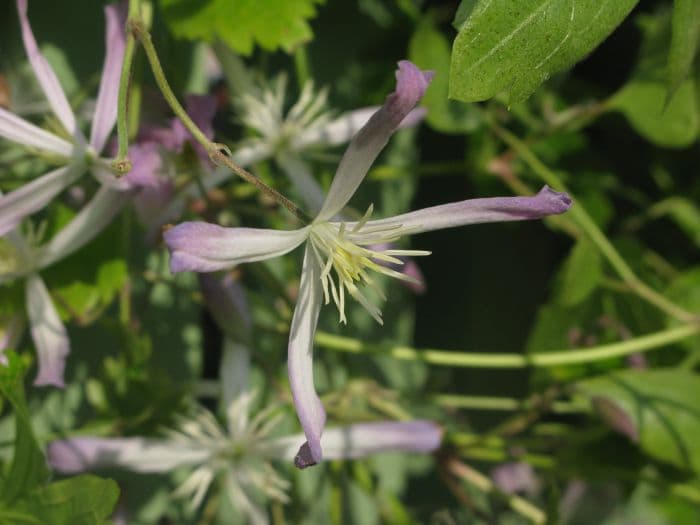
[(508, 38)]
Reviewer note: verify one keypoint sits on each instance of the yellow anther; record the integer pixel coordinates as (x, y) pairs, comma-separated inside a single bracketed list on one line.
[(350, 254)]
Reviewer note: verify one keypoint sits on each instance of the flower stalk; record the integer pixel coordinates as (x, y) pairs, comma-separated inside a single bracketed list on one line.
[(643, 343), (122, 164), (503, 404), (218, 153)]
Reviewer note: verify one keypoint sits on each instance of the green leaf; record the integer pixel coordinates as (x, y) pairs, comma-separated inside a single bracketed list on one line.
[(241, 24), (430, 49), (111, 278), (84, 301), (580, 274), (684, 212), (81, 500), (28, 468), (685, 38), (669, 122), (512, 47), (658, 409), (674, 124), (76, 300)]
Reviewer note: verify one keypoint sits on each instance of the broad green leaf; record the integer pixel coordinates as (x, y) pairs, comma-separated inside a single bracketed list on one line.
[(430, 49), (684, 42), (669, 122), (28, 468), (271, 24), (580, 274), (658, 409), (81, 500), (674, 124), (512, 47)]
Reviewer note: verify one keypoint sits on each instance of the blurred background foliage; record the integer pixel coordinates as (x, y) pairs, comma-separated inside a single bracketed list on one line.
[(615, 441)]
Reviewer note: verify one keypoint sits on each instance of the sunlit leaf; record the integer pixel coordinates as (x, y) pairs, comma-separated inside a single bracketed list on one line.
[(512, 47), (111, 277), (82, 300), (242, 24)]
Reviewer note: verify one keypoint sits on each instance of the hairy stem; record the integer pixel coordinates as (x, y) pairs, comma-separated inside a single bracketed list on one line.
[(218, 153)]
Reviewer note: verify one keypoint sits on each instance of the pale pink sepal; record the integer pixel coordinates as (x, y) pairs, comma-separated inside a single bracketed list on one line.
[(48, 333), (411, 84), (82, 454), (85, 226), (308, 406), (364, 439), (106, 107), (34, 195), (204, 247), (45, 74), (475, 211), (342, 129), (27, 134)]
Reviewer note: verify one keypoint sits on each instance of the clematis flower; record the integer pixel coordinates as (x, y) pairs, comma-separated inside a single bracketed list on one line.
[(338, 257), (75, 153), (307, 126), (239, 453)]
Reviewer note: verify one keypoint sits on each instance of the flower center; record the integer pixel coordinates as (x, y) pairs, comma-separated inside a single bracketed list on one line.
[(351, 253)]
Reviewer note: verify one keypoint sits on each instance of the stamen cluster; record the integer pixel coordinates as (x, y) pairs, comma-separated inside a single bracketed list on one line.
[(350, 250)]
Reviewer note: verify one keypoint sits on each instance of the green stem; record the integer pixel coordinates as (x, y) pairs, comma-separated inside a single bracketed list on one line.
[(218, 153), (221, 156), (493, 455), (301, 66), (584, 220), (490, 360), (503, 403), (122, 164), (144, 37)]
